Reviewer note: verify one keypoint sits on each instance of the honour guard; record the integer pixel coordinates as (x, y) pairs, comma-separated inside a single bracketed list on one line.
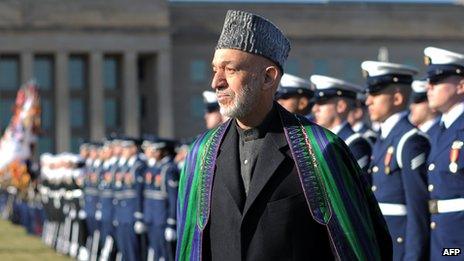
[(212, 115), (128, 194), (295, 94), (160, 193), (421, 115), (445, 92), (105, 207), (334, 98), (398, 167)]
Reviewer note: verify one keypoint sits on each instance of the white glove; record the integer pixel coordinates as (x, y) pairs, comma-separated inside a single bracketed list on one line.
[(98, 215), (170, 234), (139, 227)]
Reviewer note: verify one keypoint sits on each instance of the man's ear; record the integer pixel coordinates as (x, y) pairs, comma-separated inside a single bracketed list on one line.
[(271, 77), (398, 98), (460, 86), (341, 106), (303, 103)]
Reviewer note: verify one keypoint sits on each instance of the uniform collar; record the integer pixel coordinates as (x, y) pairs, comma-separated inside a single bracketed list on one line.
[(151, 162), (428, 124), (165, 159), (122, 161), (450, 117), (387, 125), (97, 163), (358, 126), (338, 128), (132, 160)]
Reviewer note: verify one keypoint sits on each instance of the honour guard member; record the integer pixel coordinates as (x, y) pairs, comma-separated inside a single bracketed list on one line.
[(334, 98), (295, 94), (160, 193), (91, 192), (398, 167), (421, 115), (212, 115), (128, 189), (445, 93), (358, 118)]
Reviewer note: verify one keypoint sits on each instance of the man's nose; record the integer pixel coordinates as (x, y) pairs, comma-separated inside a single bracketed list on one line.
[(218, 80)]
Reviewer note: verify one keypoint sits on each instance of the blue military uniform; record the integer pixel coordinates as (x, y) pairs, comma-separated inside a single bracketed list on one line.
[(105, 205), (128, 185), (91, 195), (160, 192), (398, 169), (446, 161), (327, 88)]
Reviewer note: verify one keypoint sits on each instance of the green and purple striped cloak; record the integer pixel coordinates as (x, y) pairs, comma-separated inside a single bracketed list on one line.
[(331, 179)]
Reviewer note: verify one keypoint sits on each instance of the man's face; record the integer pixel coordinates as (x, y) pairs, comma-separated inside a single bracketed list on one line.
[(443, 94), (290, 104), (380, 105), (213, 119), (237, 81), (419, 112), (325, 112)]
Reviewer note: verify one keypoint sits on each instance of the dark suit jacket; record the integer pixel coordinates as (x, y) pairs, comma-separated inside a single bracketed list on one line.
[(273, 222)]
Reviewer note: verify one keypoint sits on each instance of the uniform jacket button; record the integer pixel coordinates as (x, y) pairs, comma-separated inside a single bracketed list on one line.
[(430, 188), (431, 167), (374, 188), (399, 240), (433, 225)]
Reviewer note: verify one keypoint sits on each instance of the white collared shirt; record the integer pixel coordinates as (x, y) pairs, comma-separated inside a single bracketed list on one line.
[(428, 124), (388, 124), (122, 161), (357, 126), (338, 128), (151, 162), (450, 117), (132, 160)]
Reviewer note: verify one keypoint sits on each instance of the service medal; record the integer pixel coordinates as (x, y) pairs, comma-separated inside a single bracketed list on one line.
[(387, 160), (454, 156)]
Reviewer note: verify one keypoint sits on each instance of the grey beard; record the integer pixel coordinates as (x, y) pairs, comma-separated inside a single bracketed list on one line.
[(243, 103)]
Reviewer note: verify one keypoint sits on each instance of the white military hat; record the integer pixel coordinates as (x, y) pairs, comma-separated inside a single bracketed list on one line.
[(381, 74), (419, 91), (442, 63), (328, 87), (291, 85), (210, 100)]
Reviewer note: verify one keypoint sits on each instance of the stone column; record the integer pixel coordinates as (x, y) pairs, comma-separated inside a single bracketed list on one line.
[(165, 94), (62, 123), (96, 97), (130, 91)]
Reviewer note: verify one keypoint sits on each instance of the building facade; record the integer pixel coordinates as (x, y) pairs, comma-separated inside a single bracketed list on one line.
[(137, 67)]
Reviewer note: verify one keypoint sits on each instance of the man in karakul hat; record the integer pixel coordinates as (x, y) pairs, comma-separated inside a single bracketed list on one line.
[(267, 184)]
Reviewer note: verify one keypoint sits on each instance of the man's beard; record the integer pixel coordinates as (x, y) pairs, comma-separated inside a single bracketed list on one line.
[(242, 103)]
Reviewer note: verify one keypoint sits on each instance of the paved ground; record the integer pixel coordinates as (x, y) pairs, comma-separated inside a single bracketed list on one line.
[(17, 245)]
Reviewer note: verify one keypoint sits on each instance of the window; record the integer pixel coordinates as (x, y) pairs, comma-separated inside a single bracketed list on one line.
[(197, 107), (113, 94), (9, 73), (352, 70), (320, 66), (292, 67), (110, 72), (198, 70), (77, 73), (6, 110), (79, 96), (44, 73)]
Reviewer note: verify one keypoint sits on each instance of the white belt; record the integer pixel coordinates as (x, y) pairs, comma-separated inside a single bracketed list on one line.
[(389, 209), (446, 205)]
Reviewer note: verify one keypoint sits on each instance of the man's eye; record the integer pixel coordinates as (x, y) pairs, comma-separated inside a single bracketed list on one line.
[(228, 69)]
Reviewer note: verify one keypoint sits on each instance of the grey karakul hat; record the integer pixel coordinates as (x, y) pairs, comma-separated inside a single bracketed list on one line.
[(254, 34)]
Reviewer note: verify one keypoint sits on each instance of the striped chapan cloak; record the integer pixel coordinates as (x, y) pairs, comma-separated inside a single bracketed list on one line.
[(336, 194)]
